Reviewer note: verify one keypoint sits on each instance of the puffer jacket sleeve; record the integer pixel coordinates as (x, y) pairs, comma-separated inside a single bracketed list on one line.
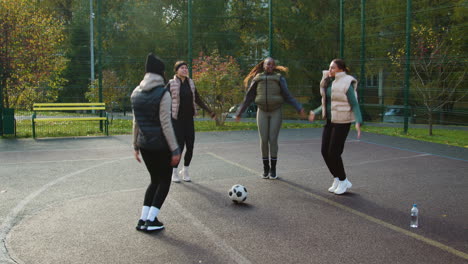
[(166, 123), (136, 130), (248, 99)]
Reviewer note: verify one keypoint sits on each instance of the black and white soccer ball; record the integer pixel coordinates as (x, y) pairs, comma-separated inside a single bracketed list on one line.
[(238, 193)]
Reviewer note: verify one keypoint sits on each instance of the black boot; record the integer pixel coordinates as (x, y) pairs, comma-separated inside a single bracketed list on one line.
[(273, 169), (266, 168)]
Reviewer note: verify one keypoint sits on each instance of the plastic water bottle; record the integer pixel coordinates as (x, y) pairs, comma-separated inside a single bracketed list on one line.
[(414, 216)]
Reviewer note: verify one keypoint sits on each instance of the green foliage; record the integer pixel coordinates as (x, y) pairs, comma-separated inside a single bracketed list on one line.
[(219, 82), (114, 94), (31, 55), (305, 39), (437, 78)]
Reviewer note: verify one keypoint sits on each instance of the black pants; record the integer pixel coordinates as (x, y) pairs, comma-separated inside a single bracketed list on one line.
[(333, 140), (185, 133), (160, 170)]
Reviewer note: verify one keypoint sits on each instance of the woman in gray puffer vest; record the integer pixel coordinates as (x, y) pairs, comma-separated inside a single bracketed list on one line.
[(269, 90), (154, 138)]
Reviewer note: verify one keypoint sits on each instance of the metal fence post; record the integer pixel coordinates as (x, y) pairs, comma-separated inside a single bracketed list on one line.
[(1, 99), (270, 22), (99, 31), (408, 63), (91, 40), (363, 52), (342, 29), (1, 93), (189, 24)]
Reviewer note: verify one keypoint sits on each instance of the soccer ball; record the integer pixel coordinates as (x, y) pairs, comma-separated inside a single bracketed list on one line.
[(238, 193)]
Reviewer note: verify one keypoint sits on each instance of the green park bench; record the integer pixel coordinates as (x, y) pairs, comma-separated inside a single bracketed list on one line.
[(57, 107)]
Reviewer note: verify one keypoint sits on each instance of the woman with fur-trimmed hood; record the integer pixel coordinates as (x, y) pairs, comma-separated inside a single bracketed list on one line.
[(154, 138)]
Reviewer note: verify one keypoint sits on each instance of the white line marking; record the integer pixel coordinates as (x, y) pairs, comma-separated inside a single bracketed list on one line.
[(356, 164), (12, 217), (363, 215), (397, 158), (55, 161), (66, 150), (218, 241)]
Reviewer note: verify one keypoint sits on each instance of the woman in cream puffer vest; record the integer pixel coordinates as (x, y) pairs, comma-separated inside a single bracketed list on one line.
[(185, 99), (339, 108)]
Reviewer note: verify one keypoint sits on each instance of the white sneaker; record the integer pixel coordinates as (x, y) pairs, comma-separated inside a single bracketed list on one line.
[(334, 185), (185, 174), (343, 186), (175, 177)]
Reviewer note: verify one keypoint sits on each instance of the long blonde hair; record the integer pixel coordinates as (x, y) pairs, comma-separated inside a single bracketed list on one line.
[(259, 68)]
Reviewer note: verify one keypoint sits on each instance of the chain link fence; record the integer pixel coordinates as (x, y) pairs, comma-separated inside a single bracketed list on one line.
[(409, 56)]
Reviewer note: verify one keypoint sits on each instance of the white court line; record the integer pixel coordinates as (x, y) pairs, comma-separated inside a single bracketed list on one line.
[(55, 161), (363, 215), (12, 217), (366, 162), (397, 158), (66, 150), (218, 241)]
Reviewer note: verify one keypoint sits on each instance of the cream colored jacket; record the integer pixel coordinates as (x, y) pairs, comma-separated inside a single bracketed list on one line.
[(174, 88), (341, 111)]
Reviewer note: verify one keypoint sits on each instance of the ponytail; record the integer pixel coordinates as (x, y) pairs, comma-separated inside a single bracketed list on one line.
[(255, 70)]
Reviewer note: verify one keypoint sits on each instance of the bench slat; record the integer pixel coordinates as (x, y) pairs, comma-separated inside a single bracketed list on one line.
[(68, 104), (68, 108), (70, 119), (38, 107)]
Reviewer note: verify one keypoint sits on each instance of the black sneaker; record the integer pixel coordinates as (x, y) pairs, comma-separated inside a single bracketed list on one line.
[(141, 225), (153, 225)]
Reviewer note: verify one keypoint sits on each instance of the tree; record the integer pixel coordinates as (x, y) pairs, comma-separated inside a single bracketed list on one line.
[(114, 91), (30, 54), (437, 76), (219, 81)]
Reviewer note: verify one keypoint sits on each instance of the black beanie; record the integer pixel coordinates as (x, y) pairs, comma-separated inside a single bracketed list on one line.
[(178, 64), (154, 65)]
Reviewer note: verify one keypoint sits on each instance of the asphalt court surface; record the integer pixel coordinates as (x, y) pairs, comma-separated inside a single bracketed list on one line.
[(78, 200)]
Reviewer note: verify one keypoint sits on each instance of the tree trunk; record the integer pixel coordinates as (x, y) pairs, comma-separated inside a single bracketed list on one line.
[(429, 120), (6, 101)]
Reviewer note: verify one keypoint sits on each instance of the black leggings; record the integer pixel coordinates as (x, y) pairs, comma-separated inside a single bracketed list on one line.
[(333, 140), (185, 133), (160, 170)]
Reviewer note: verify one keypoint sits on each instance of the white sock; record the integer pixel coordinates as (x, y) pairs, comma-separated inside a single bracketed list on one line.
[(144, 213), (174, 171), (186, 168), (153, 213)]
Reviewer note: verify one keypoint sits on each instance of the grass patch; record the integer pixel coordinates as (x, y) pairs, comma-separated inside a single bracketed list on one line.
[(206, 126), (454, 137)]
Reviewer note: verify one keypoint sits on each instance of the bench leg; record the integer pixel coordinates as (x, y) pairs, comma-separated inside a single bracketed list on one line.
[(33, 129)]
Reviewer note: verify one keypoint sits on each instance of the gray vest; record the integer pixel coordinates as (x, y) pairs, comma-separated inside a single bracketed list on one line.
[(268, 92), (145, 106)]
